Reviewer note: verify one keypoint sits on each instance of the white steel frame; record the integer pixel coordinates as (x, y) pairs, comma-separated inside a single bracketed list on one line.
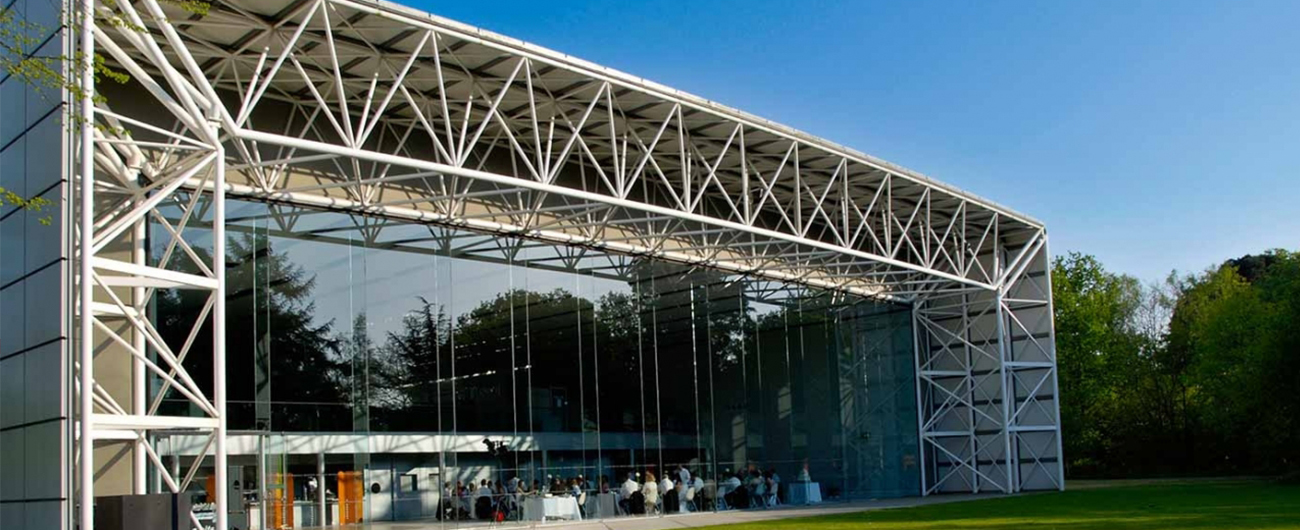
[(122, 185), (388, 113)]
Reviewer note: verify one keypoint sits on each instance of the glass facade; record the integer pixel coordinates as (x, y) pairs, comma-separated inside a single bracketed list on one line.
[(403, 354)]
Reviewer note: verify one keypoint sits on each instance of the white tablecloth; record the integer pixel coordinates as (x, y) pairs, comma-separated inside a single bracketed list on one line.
[(805, 493), (543, 508)]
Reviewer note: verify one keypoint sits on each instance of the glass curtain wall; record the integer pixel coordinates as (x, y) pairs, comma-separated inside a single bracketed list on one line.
[(413, 372)]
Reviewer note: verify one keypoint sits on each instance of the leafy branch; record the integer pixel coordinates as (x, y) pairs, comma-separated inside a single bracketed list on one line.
[(20, 43), (34, 204)]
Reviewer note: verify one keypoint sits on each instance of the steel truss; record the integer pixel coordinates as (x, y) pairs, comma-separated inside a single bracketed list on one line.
[(124, 184), (987, 383), (395, 115)]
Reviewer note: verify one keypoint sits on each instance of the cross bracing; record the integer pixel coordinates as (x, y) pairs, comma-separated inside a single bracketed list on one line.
[(442, 121), (395, 115)]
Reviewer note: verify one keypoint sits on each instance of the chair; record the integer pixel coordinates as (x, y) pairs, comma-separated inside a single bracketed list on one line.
[(446, 510), (636, 504), (756, 495), (689, 500), (483, 508), (582, 504)]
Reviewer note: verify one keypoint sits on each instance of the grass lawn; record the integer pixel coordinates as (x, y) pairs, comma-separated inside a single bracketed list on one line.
[(1234, 505)]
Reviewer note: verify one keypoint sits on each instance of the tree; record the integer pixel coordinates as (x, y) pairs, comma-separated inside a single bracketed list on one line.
[(1235, 338), (407, 371), (1192, 376), (357, 352), (1094, 331), (488, 358), (296, 361)]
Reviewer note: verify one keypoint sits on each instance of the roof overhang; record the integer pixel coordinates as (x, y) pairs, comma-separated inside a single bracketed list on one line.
[(381, 110)]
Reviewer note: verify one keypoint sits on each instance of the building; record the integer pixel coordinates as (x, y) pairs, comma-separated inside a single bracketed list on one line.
[(351, 240)]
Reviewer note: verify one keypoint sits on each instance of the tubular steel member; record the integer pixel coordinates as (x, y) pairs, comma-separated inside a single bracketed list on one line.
[(445, 124), (122, 184)]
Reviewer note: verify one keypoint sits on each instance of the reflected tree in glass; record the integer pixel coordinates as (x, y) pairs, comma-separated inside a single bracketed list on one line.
[(405, 370), (270, 311)]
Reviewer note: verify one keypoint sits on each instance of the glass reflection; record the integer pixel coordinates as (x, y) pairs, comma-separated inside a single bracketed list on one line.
[(476, 374)]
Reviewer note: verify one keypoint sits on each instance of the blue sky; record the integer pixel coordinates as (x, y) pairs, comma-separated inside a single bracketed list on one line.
[(1155, 135)]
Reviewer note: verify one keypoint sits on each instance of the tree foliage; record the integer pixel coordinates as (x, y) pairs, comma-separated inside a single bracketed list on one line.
[(1093, 335), (296, 361), (21, 41), (1192, 376)]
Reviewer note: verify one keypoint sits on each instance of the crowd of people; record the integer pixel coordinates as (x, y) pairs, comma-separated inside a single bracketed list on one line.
[(500, 500), (751, 488), (677, 491)]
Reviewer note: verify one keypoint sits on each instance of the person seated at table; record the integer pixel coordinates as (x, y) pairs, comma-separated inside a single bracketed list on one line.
[(709, 493), (636, 504), (697, 484), (512, 489), (730, 491), (463, 506), (604, 484), (651, 491), (687, 494), (537, 487), (625, 493), (631, 485), (803, 473), (478, 494), (772, 483), (575, 490), (446, 508), (483, 508), (756, 488), (668, 495)]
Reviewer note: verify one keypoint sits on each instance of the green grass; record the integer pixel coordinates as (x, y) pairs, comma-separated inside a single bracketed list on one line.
[(1233, 505)]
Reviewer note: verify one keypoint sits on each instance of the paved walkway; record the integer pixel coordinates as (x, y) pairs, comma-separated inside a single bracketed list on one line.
[(694, 520)]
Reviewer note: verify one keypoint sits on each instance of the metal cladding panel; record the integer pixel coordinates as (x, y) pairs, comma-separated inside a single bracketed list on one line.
[(987, 382), (34, 310), (13, 112)]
